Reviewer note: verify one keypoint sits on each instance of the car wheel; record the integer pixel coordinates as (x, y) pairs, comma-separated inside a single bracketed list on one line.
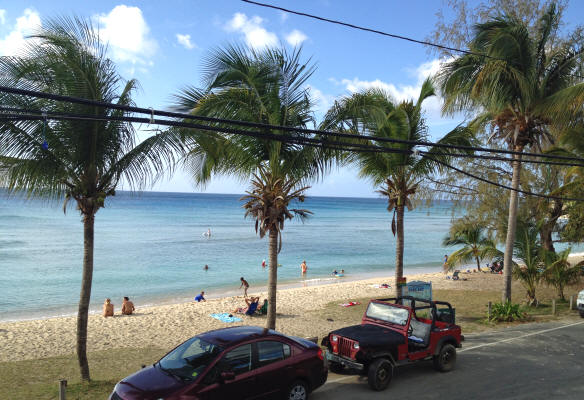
[(446, 359), (379, 374), (336, 367), (297, 391)]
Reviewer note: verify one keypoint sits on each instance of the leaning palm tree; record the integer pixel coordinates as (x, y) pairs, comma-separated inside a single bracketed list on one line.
[(476, 246), (79, 159), (524, 87), (269, 87), (527, 249), (559, 272), (399, 170)]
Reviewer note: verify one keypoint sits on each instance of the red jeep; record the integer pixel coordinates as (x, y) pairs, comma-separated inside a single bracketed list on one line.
[(395, 332)]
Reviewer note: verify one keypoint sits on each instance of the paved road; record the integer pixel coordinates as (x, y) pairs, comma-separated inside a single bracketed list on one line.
[(535, 361)]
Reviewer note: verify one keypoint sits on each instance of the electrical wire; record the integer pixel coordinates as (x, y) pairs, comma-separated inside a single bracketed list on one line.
[(362, 28), (299, 140), (151, 112)]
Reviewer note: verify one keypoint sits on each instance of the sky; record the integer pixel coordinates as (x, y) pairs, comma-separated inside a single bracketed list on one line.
[(163, 46)]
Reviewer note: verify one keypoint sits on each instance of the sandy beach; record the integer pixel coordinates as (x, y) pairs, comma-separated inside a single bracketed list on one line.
[(168, 325)]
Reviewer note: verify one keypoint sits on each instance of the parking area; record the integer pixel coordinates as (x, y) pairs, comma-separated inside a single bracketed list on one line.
[(532, 361)]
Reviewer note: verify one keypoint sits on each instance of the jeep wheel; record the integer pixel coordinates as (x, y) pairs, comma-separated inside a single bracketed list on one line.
[(380, 373), (446, 359), (336, 367)]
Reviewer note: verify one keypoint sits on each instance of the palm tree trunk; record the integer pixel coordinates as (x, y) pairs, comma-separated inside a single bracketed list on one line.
[(511, 225), (83, 311), (399, 249), (478, 264), (272, 278)]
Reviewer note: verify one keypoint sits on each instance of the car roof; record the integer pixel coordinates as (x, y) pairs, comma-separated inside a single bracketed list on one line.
[(236, 334)]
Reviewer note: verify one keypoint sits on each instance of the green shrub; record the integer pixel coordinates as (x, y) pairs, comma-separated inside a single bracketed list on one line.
[(506, 312)]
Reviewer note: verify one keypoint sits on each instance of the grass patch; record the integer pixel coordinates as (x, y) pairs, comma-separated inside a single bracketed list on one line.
[(38, 379)]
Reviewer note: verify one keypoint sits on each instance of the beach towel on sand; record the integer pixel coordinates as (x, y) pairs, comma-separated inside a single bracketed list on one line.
[(381, 286), (224, 317), (349, 304)]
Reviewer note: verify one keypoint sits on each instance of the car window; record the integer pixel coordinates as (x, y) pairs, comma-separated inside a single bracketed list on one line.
[(237, 360), (272, 351), (190, 358)]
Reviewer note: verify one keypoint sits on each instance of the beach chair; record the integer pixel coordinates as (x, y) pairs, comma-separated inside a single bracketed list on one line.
[(263, 310), (455, 276), (252, 308)]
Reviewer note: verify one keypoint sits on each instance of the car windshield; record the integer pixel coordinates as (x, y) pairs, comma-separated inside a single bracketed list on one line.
[(189, 359), (388, 313)]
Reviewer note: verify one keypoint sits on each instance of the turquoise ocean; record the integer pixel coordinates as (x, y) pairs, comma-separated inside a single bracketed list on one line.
[(151, 247)]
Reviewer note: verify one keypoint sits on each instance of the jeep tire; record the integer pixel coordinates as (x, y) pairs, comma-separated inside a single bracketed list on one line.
[(446, 358), (379, 374)]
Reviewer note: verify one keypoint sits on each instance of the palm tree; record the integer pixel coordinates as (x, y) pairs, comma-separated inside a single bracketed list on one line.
[(524, 88), (527, 249), (559, 272), (400, 172), (267, 86), (75, 159), (477, 246)]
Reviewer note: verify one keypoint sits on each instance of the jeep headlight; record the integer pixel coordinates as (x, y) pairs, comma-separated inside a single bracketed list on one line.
[(356, 345), (334, 338)]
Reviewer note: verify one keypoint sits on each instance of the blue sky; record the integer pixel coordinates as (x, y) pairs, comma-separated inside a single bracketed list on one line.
[(162, 45)]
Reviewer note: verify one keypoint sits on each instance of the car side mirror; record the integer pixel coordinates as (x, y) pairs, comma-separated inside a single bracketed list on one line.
[(227, 376)]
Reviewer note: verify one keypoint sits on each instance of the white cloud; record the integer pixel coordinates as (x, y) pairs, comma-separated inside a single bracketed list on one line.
[(185, 41), (296, 37), (255, 34), (322, 101), (2, 17), (127, 34), (25, 25), (400, 92)]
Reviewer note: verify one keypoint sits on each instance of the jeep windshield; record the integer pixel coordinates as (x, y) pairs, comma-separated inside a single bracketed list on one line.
[(388, 313), (189, 359)]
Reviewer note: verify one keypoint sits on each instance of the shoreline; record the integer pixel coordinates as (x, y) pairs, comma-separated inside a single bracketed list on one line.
[(220, 292), (165, 326)]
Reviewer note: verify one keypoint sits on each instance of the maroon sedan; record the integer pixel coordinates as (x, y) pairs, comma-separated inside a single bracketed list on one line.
[(244, 362)]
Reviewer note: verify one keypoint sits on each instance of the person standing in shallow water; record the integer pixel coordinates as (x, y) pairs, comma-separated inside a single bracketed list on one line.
[(303, 267), (245, 286), (127, 306)]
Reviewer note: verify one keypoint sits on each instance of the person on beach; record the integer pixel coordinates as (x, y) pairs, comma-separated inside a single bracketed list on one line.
[(200, 297), (303, 267), (127, 306), (206, 267), (335, 272), (245, 286), (445, 265), (252, 306), (263, 263), (108, 308)]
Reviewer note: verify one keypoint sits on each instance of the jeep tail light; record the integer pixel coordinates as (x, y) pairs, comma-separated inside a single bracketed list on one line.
[(319, 354)]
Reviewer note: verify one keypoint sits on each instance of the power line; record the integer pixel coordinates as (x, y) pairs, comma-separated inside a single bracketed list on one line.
[(291, 138), (342, 146), (528, 193), (362, 28), (153, 112)]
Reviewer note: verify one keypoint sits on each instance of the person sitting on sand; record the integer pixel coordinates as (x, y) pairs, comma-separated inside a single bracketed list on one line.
[(252, 305), (108, 308), (200, 297), (335, 272), (245, 286), (127, 306)]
